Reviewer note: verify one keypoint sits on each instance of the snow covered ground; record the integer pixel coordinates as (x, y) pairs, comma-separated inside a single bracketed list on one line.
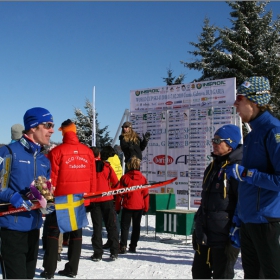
[(159, 256)]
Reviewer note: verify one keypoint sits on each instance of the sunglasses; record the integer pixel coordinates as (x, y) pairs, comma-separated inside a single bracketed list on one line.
[(47, 125), (218, 141)]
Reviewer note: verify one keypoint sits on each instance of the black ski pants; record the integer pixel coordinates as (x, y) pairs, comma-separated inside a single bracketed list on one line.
[(260, 250), (104, 211), (51, 253), (20, 252), (213, 262), (127, 216)]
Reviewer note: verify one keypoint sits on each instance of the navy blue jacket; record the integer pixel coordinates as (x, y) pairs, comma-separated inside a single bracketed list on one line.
[(260, 202)]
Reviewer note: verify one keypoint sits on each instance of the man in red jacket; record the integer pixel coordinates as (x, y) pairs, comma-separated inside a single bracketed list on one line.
[(103, 208), (72, 172), (134, 204)]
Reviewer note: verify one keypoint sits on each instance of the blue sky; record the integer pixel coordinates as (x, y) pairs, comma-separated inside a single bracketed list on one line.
[(53, 53)]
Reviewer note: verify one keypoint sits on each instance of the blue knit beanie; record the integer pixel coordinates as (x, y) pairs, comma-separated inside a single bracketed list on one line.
[(34, 116), (256, 89), (231, 133)]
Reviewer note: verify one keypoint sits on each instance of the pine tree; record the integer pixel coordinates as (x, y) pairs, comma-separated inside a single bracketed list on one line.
[(249, 48), (84, 127), (169, 80), (251, 45), (205, 52)]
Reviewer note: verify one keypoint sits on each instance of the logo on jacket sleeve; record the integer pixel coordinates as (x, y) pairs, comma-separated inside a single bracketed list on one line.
[(277, 137)]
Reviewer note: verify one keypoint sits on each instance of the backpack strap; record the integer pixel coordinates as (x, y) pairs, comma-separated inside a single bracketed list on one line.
[(5, 172), (11, 153)]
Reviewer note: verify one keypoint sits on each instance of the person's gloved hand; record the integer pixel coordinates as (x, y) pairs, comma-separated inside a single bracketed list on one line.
[(48, 209), (147, 136), (17, 201), (144, 213), (35, 194), (240, 173), (118, 212), (235, 232)]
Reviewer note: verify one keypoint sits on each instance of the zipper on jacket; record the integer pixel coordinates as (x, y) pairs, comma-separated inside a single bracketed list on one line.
[(35, 172), (258, 199), (35, 168)]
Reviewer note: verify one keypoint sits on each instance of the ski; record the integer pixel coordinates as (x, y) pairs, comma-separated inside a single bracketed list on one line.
[(7, 208), (129, 189)]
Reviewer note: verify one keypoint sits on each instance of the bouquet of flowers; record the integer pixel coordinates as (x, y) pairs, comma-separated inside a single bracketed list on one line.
[(42, 190)]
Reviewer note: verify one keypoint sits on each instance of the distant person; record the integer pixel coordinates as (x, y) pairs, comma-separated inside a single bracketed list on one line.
[(133, 205), (215, 257), (72, 173), (131, 143), (16, 132), (20, 231), (102, 208), (109, 154)]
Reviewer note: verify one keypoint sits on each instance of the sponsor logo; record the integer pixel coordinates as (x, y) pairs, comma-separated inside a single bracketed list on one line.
[(196, 202), (168, 102), (139, 92), (160, 160)]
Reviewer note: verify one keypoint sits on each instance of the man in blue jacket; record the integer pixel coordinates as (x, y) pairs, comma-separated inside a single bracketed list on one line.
[(259, 187), (20, 231)]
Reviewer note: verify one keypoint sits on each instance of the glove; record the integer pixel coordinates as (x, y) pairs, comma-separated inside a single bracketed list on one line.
[(17, 201), (235, 236), (235, 232), (240, 173), (48, 209), (118, 212), (147, 136), (144, 213), (35, 194)]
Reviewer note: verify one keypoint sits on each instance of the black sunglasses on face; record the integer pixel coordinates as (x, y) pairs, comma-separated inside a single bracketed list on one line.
[(47, 125), (218, 141)]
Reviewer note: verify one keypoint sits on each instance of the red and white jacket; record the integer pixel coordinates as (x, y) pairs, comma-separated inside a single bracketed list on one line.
[(135, 200), (72, 167)]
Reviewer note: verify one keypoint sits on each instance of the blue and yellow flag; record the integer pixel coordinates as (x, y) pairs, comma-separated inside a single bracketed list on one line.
[(70, 212)]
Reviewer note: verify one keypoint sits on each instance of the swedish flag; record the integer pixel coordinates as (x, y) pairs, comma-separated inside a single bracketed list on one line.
[(70, 212)]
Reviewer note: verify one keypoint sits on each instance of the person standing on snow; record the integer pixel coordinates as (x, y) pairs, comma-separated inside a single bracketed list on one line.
[(72, 173), (259, 181), (133, 204), (131, 143), (20, 231), (215, 257), (108, 154), (102, 208)]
